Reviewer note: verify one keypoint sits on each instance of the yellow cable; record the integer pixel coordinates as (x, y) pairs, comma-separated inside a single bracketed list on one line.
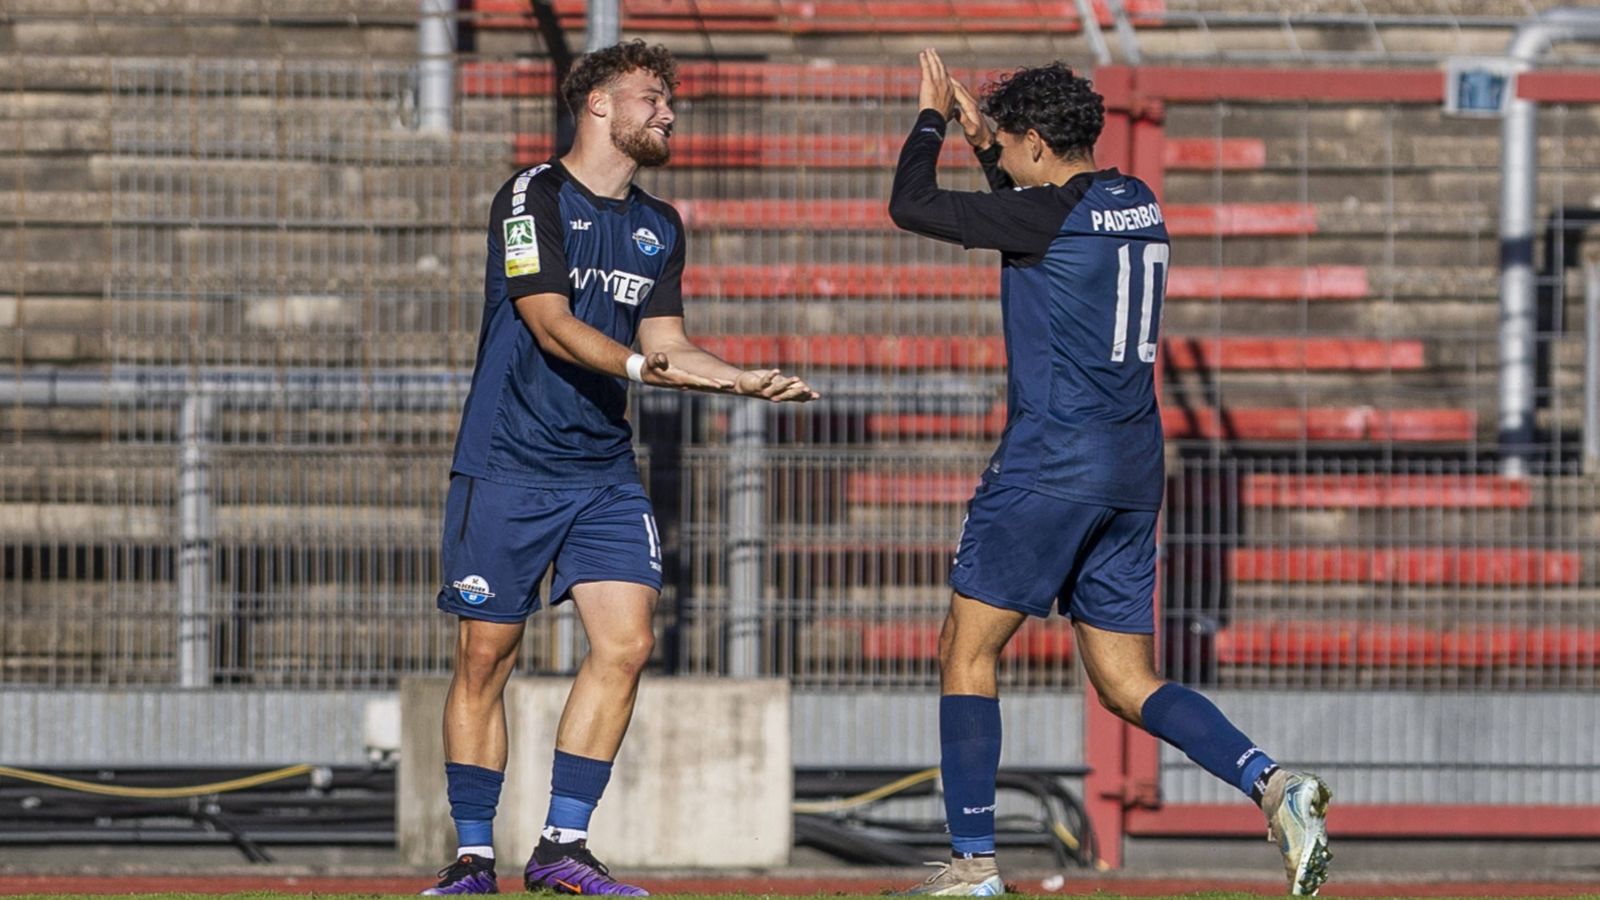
[(1064, 836), (877, 793), (219, 787)]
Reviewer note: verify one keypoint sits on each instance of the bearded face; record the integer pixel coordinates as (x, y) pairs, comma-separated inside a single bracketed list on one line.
[(641, 118), (644, 143)]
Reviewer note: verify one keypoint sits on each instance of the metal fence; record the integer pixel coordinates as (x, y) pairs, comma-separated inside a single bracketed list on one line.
[(246, 296)]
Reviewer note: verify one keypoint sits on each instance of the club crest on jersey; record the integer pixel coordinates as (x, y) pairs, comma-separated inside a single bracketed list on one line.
[(522, 247), (646, 241), (474, 589)]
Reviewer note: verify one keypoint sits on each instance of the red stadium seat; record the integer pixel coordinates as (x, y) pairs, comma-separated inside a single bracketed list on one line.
[(799, 17), (1345, 643), (980, 281), (1385, 491), (1222, 219), (1359, 423), (1485, 566), (917, 352), (873, 151)]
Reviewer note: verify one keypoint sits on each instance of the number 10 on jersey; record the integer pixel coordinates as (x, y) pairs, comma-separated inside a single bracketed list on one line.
[(1154, 290)]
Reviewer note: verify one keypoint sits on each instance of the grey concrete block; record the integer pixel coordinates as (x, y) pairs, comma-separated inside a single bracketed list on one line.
[(694, 745)]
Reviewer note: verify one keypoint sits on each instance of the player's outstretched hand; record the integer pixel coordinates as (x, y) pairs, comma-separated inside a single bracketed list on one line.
[(771, 384), (935, 92), (973, 124), (659, 371)]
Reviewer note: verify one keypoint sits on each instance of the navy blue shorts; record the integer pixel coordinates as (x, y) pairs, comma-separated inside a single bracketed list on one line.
[(1029, 552), (499, 539)]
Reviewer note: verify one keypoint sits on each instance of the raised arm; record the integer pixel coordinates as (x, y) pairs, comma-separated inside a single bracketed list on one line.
[(1011, 221), (980, 136)]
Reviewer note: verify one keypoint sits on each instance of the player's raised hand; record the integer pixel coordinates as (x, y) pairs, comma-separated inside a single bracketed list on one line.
[(973, 124), (771, 384), (659, 371), (935, 92)]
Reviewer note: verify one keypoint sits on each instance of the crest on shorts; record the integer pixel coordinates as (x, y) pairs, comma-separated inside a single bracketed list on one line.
[(474, 589)]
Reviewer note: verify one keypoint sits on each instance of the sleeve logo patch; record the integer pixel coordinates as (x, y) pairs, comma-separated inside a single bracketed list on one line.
[(522, 247)]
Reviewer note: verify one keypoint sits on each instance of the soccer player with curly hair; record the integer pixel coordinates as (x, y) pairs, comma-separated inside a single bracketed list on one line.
[(1065, 518), (581, 263)]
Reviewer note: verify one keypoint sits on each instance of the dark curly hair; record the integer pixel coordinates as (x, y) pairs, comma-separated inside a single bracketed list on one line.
[(600, 67), (1051, 100)]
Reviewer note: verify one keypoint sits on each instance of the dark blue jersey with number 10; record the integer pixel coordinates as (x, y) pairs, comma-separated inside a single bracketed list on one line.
[(1083, 275)]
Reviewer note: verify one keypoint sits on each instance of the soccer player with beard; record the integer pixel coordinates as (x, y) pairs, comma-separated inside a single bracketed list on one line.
[(581, 263)]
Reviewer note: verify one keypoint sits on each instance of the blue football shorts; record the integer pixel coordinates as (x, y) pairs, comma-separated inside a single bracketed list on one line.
[(499, 539), (1029, 552)]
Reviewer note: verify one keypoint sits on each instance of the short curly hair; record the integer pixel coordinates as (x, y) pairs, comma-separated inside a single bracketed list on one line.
[(597, 69), (1053, 101)]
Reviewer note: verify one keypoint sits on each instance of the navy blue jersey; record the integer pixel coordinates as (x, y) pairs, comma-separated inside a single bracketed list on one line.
[(535, 420), (1083, 275)]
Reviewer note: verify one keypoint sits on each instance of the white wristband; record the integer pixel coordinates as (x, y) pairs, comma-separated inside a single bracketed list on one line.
[(636, 368)]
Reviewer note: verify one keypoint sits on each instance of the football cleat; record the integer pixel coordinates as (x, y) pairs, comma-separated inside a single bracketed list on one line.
[(571, 869), (963, 877), (1296, 804), (469, 874)]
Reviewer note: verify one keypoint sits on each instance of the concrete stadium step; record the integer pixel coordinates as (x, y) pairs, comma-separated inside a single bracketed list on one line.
[(241, 522), (282, 12), (1468, 513), (367, 428), (245, 37), (150, 473), (1442, 604), (1376, 136)]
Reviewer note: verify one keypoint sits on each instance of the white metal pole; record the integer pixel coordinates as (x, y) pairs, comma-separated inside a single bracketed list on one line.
[(1519, 168), (436, 47), (195, 533), (605, 25)]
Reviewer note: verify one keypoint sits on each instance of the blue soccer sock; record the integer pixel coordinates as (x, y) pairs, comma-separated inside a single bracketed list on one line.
[(576, 784), (969, 760), (474, 792), (1187, 720)]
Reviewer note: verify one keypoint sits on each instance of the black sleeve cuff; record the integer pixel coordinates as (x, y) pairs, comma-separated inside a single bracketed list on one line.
[(930, 117), (989, 155)]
